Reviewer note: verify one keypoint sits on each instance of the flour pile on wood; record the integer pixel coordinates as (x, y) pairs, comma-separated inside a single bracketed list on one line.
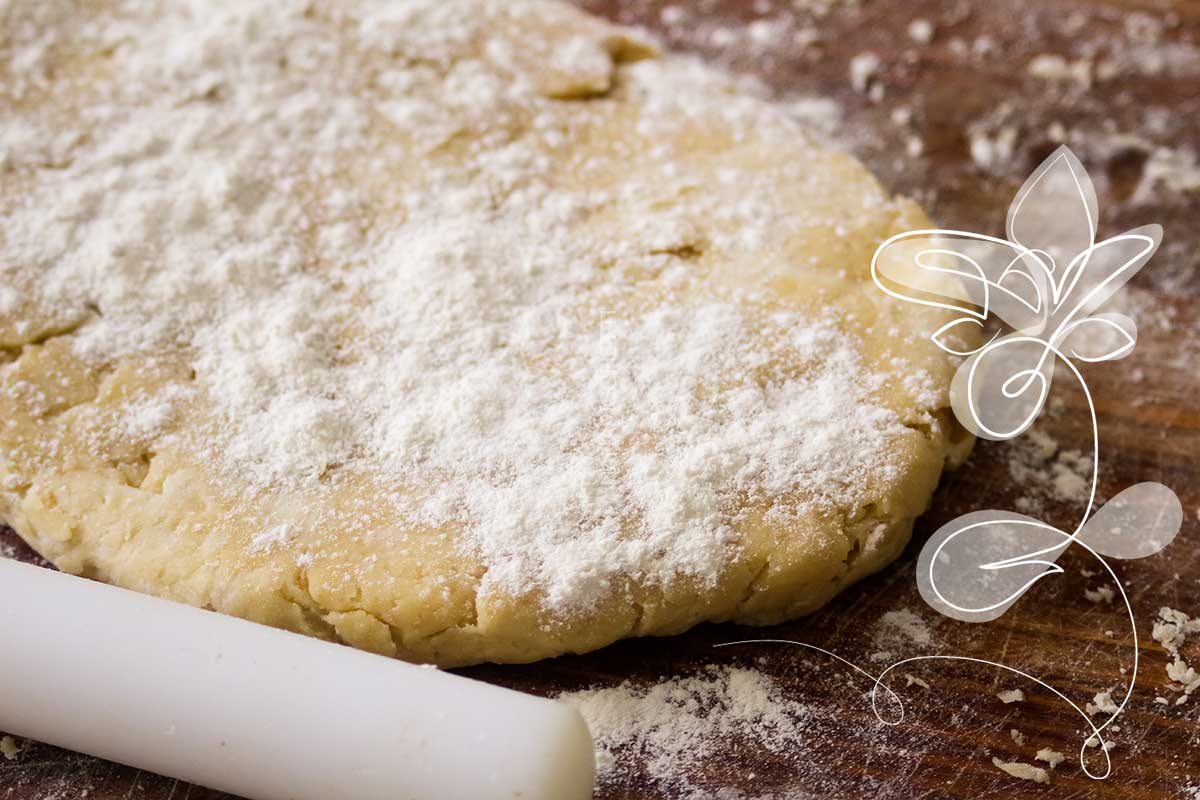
[(679, 728)]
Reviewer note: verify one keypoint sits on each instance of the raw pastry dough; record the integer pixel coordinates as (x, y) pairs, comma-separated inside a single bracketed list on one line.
[(455, 331)]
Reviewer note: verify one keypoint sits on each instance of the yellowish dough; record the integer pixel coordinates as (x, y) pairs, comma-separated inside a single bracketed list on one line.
[(454, 331)]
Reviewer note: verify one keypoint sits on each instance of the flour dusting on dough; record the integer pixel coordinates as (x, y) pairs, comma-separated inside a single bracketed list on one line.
[(475, 276)]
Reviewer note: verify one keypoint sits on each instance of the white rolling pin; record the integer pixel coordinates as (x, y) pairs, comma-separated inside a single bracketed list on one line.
[(263, 713)]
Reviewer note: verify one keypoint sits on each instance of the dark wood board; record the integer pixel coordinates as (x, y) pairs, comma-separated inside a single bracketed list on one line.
[(1133, 110)]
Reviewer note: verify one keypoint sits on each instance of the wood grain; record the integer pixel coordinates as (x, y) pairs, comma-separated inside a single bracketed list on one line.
[(970, 79)]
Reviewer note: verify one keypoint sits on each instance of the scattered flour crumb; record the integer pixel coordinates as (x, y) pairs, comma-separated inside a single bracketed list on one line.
[(863, 68), (992, 148), (1051, 757), (1026, 772), (1044, 444), (10, 748), (1017, 737), (1172, 628), (1179, 671), (921, 31), (1056, 68), (1102, 704), (1093, 741), (914, 680), (1011, 696), (1104, 594)]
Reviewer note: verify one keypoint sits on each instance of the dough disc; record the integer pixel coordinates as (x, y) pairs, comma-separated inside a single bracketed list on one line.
[(455, 331)]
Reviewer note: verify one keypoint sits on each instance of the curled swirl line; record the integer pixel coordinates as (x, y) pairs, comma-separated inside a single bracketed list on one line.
[(878, 681), (978, 274)]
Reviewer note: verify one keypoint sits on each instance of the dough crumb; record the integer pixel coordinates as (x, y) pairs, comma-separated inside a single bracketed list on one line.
[(1023, 771), (990, 149), (1017, 737), (921, 31), (1172, 628), (1011, 696), (10, 748), (914, 680), (1056, 68), (1179, 671), (1102, 703), (1094, 741), (863, 69), (1051, 757)]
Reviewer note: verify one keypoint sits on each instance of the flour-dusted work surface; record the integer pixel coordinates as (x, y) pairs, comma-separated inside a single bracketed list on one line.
[(954, 105)]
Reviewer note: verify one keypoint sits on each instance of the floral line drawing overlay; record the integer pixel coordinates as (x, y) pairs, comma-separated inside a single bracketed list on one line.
[(1048, 282)]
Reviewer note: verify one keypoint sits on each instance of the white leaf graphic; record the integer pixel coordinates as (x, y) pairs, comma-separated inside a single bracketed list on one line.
[(976, 566), (1095, 274), (999, 391), (1104, 337), (965, 272), (1138, 522), (1055, 211)]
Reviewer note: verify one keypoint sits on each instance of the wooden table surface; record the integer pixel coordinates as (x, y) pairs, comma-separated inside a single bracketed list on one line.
[(1126, 97)]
